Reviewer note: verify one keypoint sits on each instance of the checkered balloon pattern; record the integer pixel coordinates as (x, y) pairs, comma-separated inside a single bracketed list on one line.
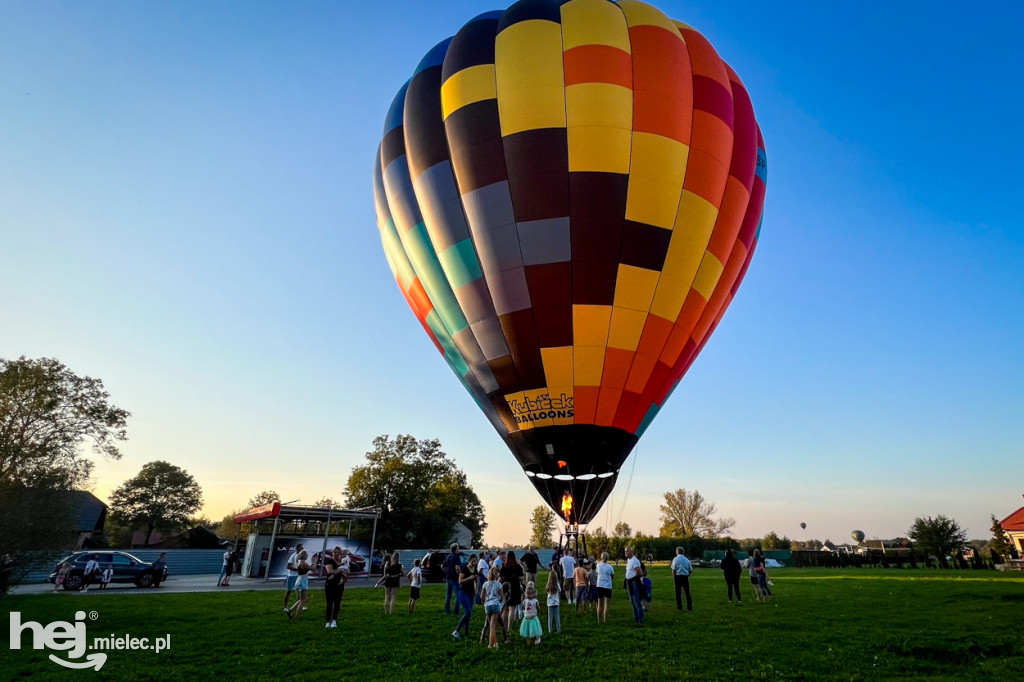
[(569, 195)]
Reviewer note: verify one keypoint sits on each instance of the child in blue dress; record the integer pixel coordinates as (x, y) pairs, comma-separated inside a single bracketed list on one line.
[(530, 629)]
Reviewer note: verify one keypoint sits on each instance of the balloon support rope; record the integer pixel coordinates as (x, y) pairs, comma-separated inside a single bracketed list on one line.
[(625, 497)]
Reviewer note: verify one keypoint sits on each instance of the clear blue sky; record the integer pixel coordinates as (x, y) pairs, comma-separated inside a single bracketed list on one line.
[(186, 212)]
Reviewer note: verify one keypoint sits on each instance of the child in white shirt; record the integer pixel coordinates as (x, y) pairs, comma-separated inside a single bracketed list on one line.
[(530, 629)]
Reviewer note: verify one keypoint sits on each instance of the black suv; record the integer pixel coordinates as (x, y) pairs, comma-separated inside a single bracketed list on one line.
[(432, 564), (127, 569)]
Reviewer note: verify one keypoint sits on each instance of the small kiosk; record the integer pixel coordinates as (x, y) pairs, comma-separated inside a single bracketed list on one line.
[(276, 529)]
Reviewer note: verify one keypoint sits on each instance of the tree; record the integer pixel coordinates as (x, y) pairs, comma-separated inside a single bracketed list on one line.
[(46, 413), (542, 524), (1000, 544), (160, 496), (37, 523), (622, 530), (228, 529), (328, 502), (687, 514), (773, 541), (420, 492), (598, 541), (941, 536), (264, 497), (205, 522)]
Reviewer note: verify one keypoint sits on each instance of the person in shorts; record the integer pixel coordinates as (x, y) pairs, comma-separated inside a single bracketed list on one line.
[(291, 576), (605, 576), (229, 569), (492, 600), (392, 580), (415, 576), (753, 577), (301, 585)]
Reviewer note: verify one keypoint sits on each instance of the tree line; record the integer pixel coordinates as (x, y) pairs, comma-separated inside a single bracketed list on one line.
[(54, 421), (688, 519)]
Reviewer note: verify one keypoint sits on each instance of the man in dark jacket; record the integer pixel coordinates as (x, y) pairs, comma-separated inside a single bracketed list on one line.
[(732, 571), (158, 569), (531, 562), (452, 564)]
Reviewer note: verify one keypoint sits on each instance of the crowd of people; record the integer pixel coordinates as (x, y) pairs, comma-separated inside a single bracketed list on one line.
[(506, 587)]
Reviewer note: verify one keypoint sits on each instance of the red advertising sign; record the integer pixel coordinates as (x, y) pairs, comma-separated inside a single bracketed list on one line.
[(266, 511)]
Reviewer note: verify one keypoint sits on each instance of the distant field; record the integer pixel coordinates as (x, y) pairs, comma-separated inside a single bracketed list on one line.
[(823, 624)]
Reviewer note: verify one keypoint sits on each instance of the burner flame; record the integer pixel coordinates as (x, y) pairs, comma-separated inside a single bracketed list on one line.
[(567, 506)]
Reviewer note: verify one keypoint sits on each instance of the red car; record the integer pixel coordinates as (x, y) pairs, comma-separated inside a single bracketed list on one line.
[(356, 563)]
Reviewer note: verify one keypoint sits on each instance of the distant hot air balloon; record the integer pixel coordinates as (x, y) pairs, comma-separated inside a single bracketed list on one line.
[(858, 535), (803, 526), (569, 195)]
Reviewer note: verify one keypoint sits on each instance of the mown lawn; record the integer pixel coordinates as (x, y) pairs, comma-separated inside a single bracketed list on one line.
[(823, 624)]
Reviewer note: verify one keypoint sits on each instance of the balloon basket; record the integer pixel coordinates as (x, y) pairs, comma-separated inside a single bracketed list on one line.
[(573, 539)]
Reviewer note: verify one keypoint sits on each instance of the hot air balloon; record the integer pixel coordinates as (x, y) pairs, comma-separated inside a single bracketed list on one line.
[(803, 526), (858, 535), (569, 195)]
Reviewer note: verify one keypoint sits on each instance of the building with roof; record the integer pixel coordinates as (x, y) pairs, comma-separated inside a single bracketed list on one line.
[(197, 537), (1013, 525), (88, 515)]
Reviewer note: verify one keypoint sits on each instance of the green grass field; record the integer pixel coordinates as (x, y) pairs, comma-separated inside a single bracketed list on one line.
[(843, 625)]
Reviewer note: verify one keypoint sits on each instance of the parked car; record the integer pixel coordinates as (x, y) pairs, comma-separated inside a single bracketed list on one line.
[(127, 569), (377, 563), (356, 563), (432, 564)]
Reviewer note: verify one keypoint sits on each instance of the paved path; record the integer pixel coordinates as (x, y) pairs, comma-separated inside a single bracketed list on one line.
[(185, 583)]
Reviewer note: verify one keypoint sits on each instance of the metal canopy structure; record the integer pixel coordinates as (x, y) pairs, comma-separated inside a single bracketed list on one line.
[(278, 516)]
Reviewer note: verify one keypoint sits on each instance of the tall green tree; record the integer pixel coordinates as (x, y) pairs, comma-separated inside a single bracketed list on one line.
[(227, 529), (597, 539), (161, 496), (941, 536), (47, 412), (1000, 543), (419, 490), (687, 514), (542, 525), (773, 541), (622, 530)]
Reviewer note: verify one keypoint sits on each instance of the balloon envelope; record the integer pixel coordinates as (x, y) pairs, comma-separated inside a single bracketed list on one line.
[(858, 535), (569, 195), (803, 526)]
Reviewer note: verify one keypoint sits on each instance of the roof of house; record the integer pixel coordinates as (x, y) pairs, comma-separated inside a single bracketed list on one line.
[(88, 511), (1014, 521)]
